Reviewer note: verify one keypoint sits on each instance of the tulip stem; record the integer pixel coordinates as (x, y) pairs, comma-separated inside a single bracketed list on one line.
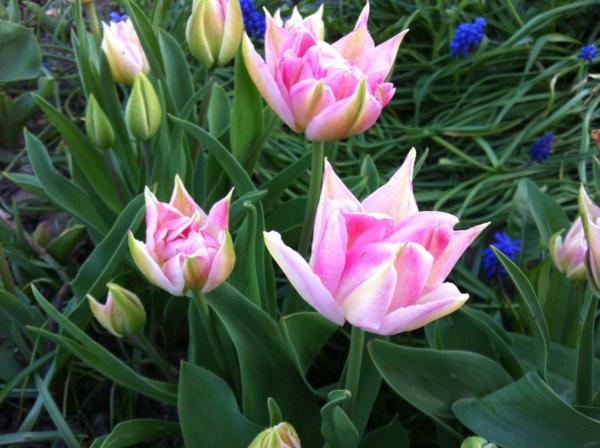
[(316, 177), (357, 342), (142, 341), (585, 351), (211, 330), (90, 9)]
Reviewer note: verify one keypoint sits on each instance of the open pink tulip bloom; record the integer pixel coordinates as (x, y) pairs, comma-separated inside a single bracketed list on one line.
[(380, 264), (330, 91), (185, 248)]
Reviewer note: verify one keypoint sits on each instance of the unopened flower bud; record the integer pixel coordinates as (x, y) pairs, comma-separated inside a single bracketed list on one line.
[(42, 234), (214, 31), (143, 114), (569, 254), (282, 435), (124, 51), (476, 442), (123, 314), (97, 126)]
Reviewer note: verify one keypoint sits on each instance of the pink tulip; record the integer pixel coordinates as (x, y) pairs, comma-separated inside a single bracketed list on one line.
[(569, 254), (329, 91), (185, 248), (590, 218), (124, 51), (380, 264)]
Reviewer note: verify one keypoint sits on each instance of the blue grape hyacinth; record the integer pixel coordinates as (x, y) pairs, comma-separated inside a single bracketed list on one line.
[(540, 150), (504, 244), (117, 17), (588, 52), (254, 21), (467, 37)]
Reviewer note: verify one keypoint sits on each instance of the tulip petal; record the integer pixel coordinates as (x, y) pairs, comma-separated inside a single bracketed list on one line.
[(381, 60), (182, 200), (368, 284), (413, 267), (333, 189), (439, 303), (587, 208), (265, 83), (307, 98), (356, 46), (196, 37), (396, 197), (346, 117), (365, 228), (149, 267), (442, 266), (327, 257), (219, 212), (417, 227), (363, 18), (306, 282), (222, 265), (102, 313), (232, 32), (275, 38)]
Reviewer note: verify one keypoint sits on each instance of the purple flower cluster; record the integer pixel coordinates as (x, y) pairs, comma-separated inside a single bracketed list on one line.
[(540, 150), (504, 244), (467, 37), (254, 21), (117, 17), (588, 52)]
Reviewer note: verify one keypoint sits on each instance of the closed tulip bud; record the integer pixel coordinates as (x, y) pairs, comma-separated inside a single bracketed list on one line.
[(281, 436), (143, 114), (569, 254), (42, 234), (590, 218), (124, 51), (97, 126), (214, 31), (185, 248), (123, 314), (476, 442)]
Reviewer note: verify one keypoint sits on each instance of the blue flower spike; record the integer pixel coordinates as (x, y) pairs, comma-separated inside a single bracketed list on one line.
[(117, 17), (467, 37), (588, 53), (542, 147), (504, 244), (254, 21)]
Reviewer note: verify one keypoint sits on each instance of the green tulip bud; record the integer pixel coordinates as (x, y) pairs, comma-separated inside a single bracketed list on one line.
[(143, 114), (97, 126), (476, 442), (123, 314), (42, 234), (282, 435)]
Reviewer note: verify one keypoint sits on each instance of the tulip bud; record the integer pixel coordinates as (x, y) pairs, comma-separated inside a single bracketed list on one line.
[(97, 126), (281, 436), (590, 218), (476, 442), (124, 51), (143, 112), (569, 255), (214, 31), (123, 314), (42, 234)]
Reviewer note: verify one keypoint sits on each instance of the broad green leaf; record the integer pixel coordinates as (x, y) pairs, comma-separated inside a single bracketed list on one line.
[(133, 432), (307, 332), (584, 387), (20, 54), (246, 116), (336, 427), (533, 308), (267, 366), (19, 311), (62, 246), (392, 434), (177, 72), (244, 275), (421, 376), (528, 413), (208, 413), (219, 111), (85, 154), (59, 189)]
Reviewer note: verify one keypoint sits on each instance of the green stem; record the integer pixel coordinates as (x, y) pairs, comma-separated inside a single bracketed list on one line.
[(316, 177), (211, 330), (90, 9), (357, 342), (5, 274), (115, 177), (142, 341), (585, 352), (467, 158)]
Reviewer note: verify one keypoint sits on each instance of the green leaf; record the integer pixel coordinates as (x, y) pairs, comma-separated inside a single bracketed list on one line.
[(267, 366), (133, 432), (62, 246), (369, 170), (392, 434), (584, 387), (247, 115), (336, 427), (244, 275), (307, 332), (147, 36), (85, 154), (20, 54), (208, 412), (17, 310), (177, 71), (533, 307), (528, 413), (282, 181), (101, 359), (415, 374), (219, 111), (60, 190)]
